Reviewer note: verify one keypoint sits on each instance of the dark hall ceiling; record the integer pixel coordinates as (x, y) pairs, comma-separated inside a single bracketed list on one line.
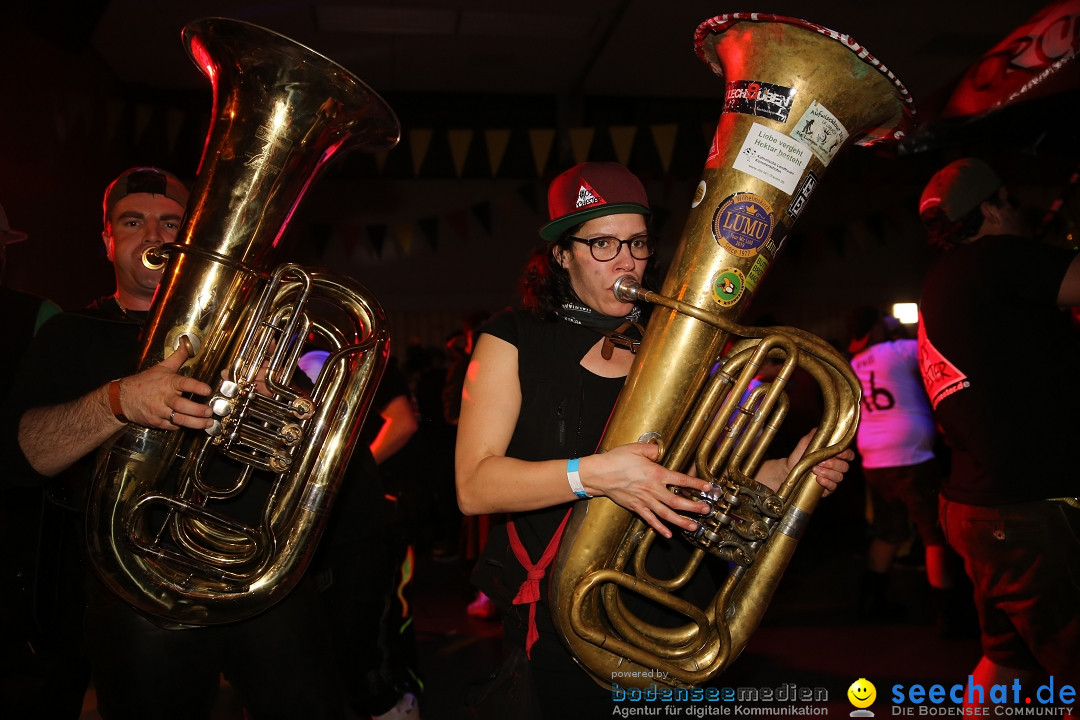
[(617, 48)]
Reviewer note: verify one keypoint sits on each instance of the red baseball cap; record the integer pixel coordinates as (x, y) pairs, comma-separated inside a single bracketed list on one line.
[(592, 190), (958, 188)]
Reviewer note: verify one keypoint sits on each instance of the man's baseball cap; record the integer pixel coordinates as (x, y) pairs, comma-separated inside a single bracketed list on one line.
[(7, 235), (144, 180), (591, 190), (958, 188)]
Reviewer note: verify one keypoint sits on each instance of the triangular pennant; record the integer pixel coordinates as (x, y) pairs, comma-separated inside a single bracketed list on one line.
[(380, 159), (377, 235), (581, 143), (429, 226), (349, 235), (622, 138), (664, 137), (541, 140), (403, 233), (459, 147), (482, 211), (528, 194), (496, 144), (419, 142)]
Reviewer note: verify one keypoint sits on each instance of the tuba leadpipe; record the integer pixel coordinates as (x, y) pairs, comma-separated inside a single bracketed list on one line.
[(204, 528), (797, 94)]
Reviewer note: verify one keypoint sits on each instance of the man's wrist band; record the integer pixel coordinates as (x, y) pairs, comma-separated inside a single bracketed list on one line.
[(114, 401), (574, 478)]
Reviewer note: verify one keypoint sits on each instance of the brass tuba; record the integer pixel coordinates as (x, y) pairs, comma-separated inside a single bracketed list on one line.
[(205, 528), (796, 94)]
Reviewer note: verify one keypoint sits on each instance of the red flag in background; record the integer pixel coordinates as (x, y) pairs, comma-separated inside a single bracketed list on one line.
[(1037, 59)]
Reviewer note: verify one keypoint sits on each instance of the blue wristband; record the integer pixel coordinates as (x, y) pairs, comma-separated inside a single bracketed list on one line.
[(574, 478)]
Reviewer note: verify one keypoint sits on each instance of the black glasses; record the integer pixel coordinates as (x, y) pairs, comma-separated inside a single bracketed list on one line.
[(607, 248)]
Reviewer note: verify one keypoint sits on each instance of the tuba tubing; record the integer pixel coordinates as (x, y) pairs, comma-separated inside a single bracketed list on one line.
[(161, 531), (797, 95)]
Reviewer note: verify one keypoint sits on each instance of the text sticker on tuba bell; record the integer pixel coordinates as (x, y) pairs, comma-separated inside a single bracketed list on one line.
[(161, 528), (795, 96)]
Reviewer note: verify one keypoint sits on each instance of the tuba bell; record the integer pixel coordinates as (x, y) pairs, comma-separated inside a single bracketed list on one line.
[(796, 95), (198, 528)]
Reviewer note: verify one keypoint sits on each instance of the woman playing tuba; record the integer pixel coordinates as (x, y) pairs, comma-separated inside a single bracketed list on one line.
[(542, 382)]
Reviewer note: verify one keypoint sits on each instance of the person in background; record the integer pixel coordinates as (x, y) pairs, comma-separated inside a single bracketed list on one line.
[(364, 566), (896, 439), (474, 529), (1009, 506), (42, 671), (555, 359)]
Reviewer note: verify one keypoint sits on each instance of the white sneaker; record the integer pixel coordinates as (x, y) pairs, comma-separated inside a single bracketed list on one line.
[(406, 709)]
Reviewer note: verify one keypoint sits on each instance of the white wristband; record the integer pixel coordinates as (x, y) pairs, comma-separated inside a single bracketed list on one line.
[(574, 478)]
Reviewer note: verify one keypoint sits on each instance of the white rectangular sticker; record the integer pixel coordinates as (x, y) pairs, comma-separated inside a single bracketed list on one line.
[(822, 131), (774, 157)]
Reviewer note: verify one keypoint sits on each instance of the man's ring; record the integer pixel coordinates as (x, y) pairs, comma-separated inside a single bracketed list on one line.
[(172, 417)]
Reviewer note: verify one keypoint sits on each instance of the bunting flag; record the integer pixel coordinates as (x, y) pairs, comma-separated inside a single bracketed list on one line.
[(350, 234), (580, 143), (497, 141), (541, 140), (429, 226), (527, 192), (622, 139), (377, 234), (482, 211), (432, 151), (664, 138), (459, 147), (419, 142), (380, 159), (403, 234)]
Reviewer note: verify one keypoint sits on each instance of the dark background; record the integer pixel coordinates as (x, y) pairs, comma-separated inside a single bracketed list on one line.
[(441, 225)]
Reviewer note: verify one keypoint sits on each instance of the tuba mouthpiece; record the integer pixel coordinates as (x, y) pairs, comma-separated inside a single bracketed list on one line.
[(627, 289)]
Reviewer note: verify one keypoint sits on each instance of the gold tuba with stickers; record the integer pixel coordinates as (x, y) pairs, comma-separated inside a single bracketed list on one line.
[(797, 94)]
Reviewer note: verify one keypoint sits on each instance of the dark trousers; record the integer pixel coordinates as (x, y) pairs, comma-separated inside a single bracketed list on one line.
[(1024, 561), (280, 662)]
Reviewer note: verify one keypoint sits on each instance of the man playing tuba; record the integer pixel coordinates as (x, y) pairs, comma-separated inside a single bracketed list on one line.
[(78, 388)]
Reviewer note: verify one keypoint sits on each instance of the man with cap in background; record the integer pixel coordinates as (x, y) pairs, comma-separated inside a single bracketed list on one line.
[(21, 314), (78, 388), (1009, 507)]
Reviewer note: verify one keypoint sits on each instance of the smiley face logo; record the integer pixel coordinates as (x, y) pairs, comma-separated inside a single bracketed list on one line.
[(862, 693)]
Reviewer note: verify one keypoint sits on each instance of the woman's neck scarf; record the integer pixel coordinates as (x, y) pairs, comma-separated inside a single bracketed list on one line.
[(624, 332)]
